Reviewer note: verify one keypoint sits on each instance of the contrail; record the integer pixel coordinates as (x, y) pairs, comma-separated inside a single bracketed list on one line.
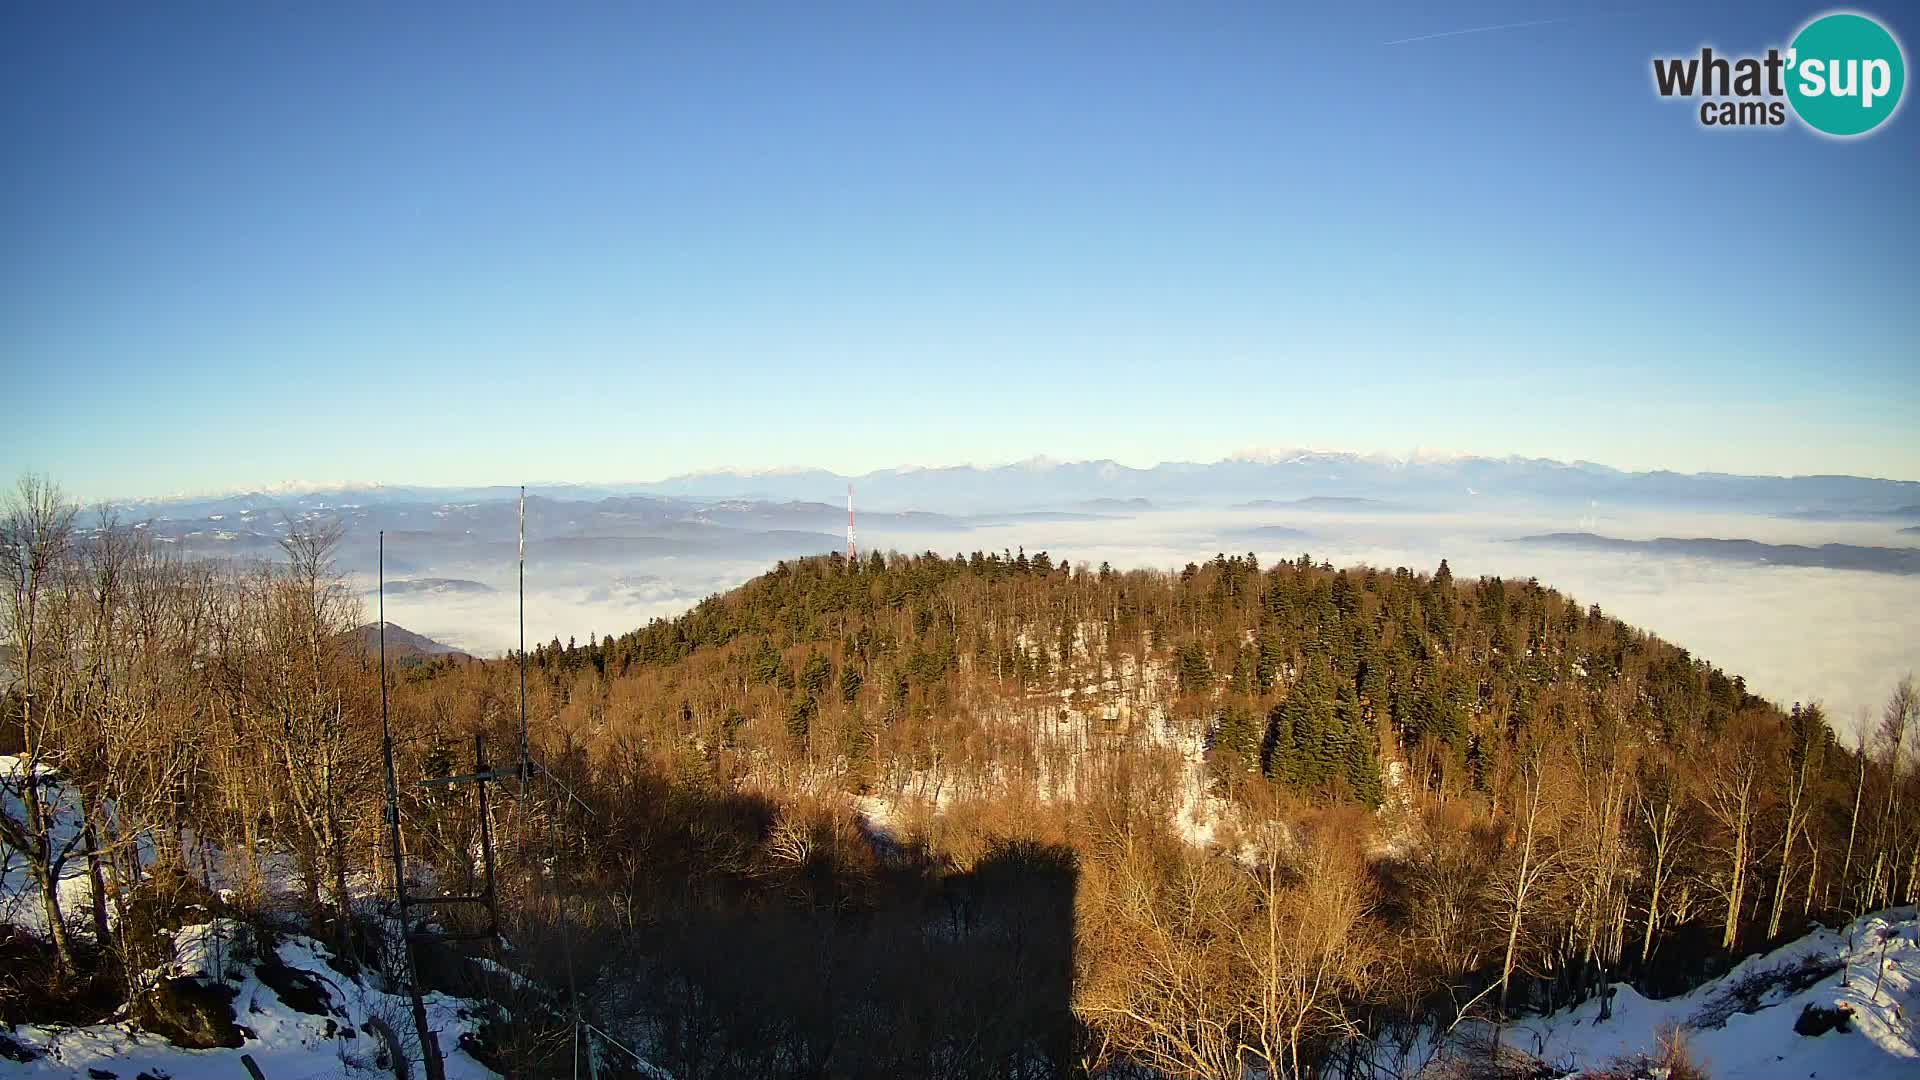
[(1481, 29)]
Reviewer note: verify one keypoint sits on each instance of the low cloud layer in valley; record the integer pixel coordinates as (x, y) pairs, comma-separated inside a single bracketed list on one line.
[(1841, 637), (605, 561)]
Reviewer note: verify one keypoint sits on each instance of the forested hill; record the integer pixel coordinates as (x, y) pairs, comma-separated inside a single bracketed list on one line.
[(1527, 797), (1302, 674)]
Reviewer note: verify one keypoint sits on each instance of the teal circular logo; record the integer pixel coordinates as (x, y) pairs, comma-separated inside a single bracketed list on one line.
[(1845, 73)]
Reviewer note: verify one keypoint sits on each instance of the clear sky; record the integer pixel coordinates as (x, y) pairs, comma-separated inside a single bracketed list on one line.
[(246, 244)]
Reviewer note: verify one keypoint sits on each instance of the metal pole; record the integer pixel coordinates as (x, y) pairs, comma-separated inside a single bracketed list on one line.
[(526, 775), (429, 1048), (526, 757), (480, 768), (573, 987)]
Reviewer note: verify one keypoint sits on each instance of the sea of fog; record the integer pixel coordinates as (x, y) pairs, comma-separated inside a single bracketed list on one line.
[(1839, 637)]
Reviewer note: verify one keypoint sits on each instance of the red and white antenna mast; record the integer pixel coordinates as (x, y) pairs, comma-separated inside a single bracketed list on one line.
[(850, 555)]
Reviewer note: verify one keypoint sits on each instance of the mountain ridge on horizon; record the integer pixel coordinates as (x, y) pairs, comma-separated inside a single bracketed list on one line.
[(1245, 472)]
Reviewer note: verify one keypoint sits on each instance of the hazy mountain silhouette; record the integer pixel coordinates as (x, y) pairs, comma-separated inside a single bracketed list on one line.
[(1831, 556)]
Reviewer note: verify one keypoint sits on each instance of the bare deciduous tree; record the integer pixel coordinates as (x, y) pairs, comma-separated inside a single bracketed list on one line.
[(36, 534)]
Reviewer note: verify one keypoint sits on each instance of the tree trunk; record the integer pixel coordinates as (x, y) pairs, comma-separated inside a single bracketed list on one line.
[(343, 905), (1813, 874), (56, 920), (1736, 895), (44, 861), (97, 882), (1521, 886), (1662, 843), (1853, 823)]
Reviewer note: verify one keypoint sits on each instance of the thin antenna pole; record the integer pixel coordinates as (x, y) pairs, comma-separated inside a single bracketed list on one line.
[(429, 1048), (386, 745), (386, 734), (850, 549), (526, 755), (581, 1029), (483, 773)]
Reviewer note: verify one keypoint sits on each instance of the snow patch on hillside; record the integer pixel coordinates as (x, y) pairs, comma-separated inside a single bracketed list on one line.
[(1200, 812), (20, 897), (1398, 833), (1741, 1026), (1048, 744), (287, 1042)]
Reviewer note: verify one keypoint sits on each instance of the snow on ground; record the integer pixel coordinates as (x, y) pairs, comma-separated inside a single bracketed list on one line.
[(1741, 1025), (20, 902), (878, 815), (286, 1042), (226, 872), (1200, 811)]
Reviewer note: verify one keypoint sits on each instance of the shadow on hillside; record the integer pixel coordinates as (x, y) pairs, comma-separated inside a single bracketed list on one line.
[(973, 979), (719, 935)]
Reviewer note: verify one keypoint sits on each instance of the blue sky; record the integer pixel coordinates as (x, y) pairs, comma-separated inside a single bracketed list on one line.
[(488, 243)]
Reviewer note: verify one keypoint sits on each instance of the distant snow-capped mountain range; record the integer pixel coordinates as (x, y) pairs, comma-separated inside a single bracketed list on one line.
[(1430, 479)]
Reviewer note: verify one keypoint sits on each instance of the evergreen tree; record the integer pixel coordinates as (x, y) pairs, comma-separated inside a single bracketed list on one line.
[(1241, 682), (764, 664), (800, 714), (1192, 668), (816, 676), (1270, 661), (1236, 741), (1363, 752)]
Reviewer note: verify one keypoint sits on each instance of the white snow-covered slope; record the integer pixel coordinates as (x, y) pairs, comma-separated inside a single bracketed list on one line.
[(1741, 1026), (330, 1032)]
